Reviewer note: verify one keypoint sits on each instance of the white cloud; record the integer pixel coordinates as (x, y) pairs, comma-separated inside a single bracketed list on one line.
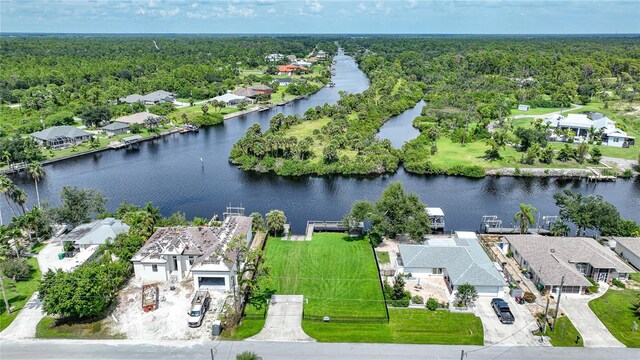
[(411, 3), (233, 10), (271, 10), (314, 6), (194, 5)]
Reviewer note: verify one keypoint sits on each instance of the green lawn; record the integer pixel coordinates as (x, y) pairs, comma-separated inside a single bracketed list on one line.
[(383, 257), (564, 336), (49, 328), (406, 326), (535, 111), (18, 293), (615, 310)]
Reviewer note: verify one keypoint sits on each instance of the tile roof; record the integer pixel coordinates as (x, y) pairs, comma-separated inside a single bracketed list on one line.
[(551, 257), (462, 256)]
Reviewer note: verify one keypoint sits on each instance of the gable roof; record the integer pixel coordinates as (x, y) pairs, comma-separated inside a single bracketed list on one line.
[(461, 256), (630, 243), (133, 98), (59, 131), (260, 87), (284, 80), (576, 120), (137, 118), (551, 257), (115, 126), (228, 97), (97, 232), (158, 95), (247, 92)]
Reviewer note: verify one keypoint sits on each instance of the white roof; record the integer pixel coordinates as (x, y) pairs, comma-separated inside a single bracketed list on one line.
[(97, 232), (576, 120), (433, 211), (137, 118), (552, 120), (604, 122), (615, 132), (229, 97)]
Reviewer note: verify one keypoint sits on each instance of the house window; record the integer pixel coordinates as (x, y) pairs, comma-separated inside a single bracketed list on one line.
[(436, 271), (191, 259), (582, 267), (615, 139), (154, 268)]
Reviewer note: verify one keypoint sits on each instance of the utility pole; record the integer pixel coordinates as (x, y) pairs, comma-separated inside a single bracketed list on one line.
[(555, 316), (546, 311), (462, 355), (4, 296)]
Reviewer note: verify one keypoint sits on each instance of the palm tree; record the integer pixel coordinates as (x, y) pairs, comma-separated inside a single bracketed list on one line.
[(275, 221), (36, 171), (6, 187), (19, 197), (525, 217)]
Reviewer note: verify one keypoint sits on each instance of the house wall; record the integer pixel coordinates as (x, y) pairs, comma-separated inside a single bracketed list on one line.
[(492, 291), (146, 273), (615, 141), (633, 259)]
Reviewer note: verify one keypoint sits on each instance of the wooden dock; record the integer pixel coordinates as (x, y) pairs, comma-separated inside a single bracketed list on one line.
[(331, 226), (597, 176), (506, 231)]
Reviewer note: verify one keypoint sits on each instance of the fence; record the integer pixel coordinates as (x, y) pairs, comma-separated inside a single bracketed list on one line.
[(375, 257), (263, 315), (348, 319)]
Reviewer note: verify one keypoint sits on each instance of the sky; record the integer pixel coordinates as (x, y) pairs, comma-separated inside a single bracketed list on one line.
[(318, 16)]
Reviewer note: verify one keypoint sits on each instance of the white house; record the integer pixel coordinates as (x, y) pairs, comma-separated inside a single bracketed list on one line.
[(580, 124), (95, 233), (274, 57), (629, 249), (459, 260), (175, 253), (231, 99)]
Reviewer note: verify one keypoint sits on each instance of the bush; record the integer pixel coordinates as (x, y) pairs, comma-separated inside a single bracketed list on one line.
[(417, 299), (466, 295), (247, 355), (594, 286), (16, 269), (618, 283), (432, 304), (529, 297), (68, 246), (626, 174)]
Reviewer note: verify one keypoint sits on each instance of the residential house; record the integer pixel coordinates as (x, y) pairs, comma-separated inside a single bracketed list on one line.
[(459, 260), (231, 99), (580, 124), (95, 233), (321, 54), (58, 137), (283, 81), (138, 118), (154, 98), (291, 58), (131, 99), (274, 57), (629, 249), (547, 260), (115, 128), (175, 253), (302, 63), (583, 127), (246, 92), (290, 69), (261, 89)]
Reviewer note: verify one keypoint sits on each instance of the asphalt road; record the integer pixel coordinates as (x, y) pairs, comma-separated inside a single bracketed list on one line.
[(123, 349)]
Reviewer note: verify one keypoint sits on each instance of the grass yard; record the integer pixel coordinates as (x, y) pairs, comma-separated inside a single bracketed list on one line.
[(49, 328), (564, 336), (615, 310), (383, 257), (18, 293), (535, 111), (406, 326)]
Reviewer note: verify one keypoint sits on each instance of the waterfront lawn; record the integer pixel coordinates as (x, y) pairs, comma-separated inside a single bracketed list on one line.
[(406, 326), (50, 328), (615, 310), (18, 293), (564, 337)]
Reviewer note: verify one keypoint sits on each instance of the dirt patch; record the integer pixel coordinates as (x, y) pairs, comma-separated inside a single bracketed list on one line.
[(169, 320)]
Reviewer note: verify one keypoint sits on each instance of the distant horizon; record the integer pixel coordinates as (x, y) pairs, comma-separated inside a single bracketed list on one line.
[(324, 34), (343, 17)]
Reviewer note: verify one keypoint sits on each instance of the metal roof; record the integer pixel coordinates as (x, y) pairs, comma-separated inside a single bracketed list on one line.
[(97, 232), (60, 131)]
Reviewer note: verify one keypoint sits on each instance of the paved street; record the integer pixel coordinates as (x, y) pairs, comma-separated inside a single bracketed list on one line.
[(123, 349), (593, 331)]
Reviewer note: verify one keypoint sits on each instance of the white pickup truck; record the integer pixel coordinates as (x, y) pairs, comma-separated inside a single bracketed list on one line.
[(199, 306)]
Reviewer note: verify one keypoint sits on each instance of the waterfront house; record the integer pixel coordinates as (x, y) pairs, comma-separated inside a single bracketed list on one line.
[(58, 137), (231, 99), (629, 249), (138, 118), (321, 54), (246, 92), (302, 63), (459, 260), (261, 89), (283, 81), (580, 124), (546, 259), (175, 253), (605, 129), (115, 128), (154, 98), (95, 233), (291, 69)]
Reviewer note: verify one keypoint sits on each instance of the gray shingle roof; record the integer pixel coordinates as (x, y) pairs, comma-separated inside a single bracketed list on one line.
[(631, 243), (551, 257), (157, 96), (115, 126), (59, 131), (137, 118), (463, 259)]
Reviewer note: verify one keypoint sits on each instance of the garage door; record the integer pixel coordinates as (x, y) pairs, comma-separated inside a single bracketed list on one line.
[(211, 282)]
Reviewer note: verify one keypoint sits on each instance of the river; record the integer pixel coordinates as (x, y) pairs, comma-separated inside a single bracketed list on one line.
[(168, 172)]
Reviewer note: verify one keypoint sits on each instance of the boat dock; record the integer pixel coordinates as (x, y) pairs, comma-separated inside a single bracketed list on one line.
[(436, 216), (331, 226), (491, 225), (597, 176)]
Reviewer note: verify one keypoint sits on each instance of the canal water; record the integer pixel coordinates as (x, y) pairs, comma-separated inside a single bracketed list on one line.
[(168, 172)]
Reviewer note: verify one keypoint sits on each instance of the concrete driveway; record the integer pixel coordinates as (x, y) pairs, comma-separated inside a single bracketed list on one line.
[(24, 325), (516, 334), (284, 320), (593, 331)]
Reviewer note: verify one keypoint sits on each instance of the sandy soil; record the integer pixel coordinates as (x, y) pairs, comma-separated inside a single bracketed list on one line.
[(169, 320)]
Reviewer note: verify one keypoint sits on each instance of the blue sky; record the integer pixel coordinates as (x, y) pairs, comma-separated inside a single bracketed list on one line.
[(318, 16)]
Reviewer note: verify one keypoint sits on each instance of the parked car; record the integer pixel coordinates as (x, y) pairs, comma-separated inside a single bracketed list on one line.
[(199, 307), (502, 310)]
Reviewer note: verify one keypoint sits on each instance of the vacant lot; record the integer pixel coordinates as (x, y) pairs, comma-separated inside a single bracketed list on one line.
[(406, 326), (615, 310)]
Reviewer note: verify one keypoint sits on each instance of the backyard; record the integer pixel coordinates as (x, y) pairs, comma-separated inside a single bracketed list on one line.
[(615, 310), (18, 293)]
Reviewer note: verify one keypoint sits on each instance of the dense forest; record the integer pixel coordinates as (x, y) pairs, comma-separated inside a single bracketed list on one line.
[(55, 78)]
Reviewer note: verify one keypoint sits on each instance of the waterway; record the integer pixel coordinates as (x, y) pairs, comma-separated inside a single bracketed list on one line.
[(169, 173)]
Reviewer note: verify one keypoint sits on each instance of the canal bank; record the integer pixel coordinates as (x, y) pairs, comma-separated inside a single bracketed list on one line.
[(169, 173)]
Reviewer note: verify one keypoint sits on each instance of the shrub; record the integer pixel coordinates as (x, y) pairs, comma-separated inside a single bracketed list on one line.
[(618, 283), (15, 268), (68, 246), (594, 286), (466, 295), (432, 304), (529, 297), (626, 174), (247, 355), (417, 299), (516, 171)]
